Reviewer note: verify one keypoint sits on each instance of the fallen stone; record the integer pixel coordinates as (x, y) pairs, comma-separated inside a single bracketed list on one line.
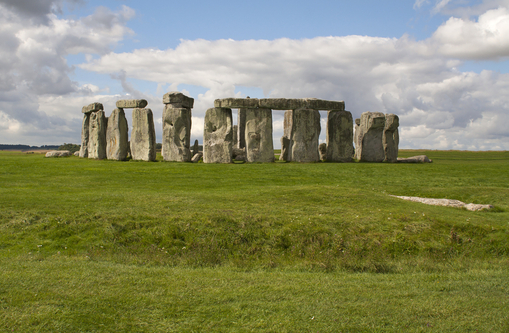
[(117, 136), (218, 136), (415, 159), (178, 100), (97, 135), (197, 157), (339, 136), (58, 153), (143, 135), (306, 128), (131, 103), (85, 135), (445, 202), (239, 154), (322, 149), (176, 134), (258, 134), (370, 138), (77, 153), (391, 138), (92, 108)]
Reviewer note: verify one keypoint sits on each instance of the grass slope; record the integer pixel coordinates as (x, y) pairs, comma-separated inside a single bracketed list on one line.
[(255, 246)]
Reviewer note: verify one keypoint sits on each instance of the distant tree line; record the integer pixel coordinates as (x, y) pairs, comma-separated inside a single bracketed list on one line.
[(26, 147), (70, 147)]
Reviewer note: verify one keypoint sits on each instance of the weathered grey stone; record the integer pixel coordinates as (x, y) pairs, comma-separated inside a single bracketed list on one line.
[(85, 135), (258, 134), (58, 153), (117, 136), (322, 149), (176, 134), (236, 103), (97, 135), (197, 157), (143, 135), (280, 103), (339, 136), (446, 203), (241, 121), (239, 154), (391, 138), (131, 103), (357, 137), (178, 100), (92, 108), (196, 148), (371, 148), (287, 134), (305, 133), (235, 136), (77, 153), (415, 159), (218, 136)]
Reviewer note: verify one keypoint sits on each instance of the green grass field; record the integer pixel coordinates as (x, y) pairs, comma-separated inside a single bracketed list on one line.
[(104, 246)]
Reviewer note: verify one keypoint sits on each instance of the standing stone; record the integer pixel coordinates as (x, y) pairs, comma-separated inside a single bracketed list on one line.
[(196, 148), (391, 138), (218, 136), (116, 136), (357, 136), (97, 135), (241, 120), (85, 135), (287, 134), (371, 148), (143, 135), (322, 149), (258, 135), (305, 133), (339, 136), (176, 134), (235, 136)]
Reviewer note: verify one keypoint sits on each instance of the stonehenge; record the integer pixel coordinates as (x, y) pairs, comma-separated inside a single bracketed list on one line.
[(374, 135), (177, 127), (116, 136)]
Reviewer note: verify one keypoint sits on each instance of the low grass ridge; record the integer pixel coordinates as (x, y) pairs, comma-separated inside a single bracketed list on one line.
[(319, 216)]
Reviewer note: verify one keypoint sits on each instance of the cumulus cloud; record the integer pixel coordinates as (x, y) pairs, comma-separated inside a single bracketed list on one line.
[(33, 59)]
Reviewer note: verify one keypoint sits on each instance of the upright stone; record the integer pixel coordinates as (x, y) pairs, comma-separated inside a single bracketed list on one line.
[(305, 133), (196, 147), (391, 138), (143, 135), (241, 123), (372, 126), (258, 135), (287, 134), (176, 134), (117, 141), (339, 136), (85, 135), (357, 137), (322, 149), (235, 136), (218, 136), (97, 135)]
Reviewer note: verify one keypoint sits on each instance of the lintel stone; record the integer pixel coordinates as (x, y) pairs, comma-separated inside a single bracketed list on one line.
[(178, 100), (280, 103), (131, 103), (92, 108)]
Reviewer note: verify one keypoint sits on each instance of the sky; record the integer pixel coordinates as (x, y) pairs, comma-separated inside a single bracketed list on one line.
[(441, 65)]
